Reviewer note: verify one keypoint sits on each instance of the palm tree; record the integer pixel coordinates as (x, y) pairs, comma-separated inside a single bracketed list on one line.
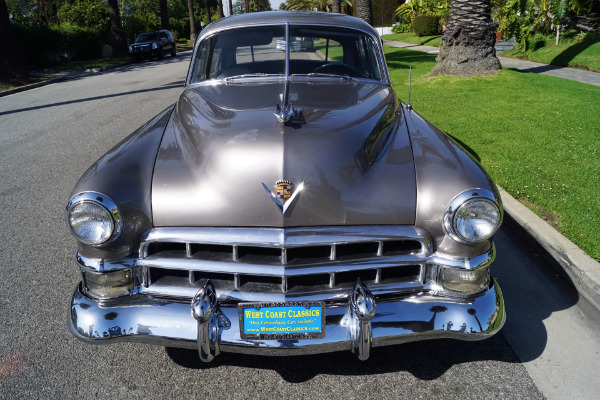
[(221, 13), (164, 15), (319, 5), (364, 11), (192, 21), (207, 6), (468, 43), (335, 6), (473, 312), (117, 34), (12, 59)]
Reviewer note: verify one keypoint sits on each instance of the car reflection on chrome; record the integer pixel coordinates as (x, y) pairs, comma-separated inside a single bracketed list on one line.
[(288, 203), (296, 44)]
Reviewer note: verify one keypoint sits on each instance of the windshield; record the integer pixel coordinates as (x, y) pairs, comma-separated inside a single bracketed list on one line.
[(241, 52), (146, 37), (313, 51)]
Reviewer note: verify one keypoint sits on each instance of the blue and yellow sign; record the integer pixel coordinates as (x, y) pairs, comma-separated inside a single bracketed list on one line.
[(282, 321)]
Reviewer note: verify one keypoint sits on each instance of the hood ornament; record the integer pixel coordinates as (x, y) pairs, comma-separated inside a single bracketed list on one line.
[(284, 196), (284, 113)]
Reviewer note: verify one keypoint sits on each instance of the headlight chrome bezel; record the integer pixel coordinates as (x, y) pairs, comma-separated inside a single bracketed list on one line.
[(472, 195), (102, 201)]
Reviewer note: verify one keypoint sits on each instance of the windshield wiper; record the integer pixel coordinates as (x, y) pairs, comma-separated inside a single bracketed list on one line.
[(330, 75), (256, 75)]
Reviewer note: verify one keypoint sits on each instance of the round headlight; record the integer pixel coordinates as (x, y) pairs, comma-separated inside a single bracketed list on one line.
[(473, 216), (93, 218)]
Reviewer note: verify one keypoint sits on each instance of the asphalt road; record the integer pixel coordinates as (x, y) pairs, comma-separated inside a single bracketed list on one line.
[(48, 138)]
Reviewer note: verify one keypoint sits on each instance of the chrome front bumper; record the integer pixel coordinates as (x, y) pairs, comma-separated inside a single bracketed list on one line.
[(356, 324)]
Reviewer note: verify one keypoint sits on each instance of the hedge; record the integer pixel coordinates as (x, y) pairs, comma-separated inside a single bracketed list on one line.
[(426, 25)]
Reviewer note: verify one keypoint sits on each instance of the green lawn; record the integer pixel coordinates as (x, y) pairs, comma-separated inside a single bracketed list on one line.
[(410, 37), (538, 136), (575, 50)]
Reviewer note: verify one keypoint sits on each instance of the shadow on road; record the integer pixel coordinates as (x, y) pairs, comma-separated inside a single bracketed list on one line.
[(172, 85), (426, 360)]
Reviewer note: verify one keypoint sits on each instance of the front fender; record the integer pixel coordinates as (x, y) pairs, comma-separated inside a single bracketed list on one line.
[(124, 174)]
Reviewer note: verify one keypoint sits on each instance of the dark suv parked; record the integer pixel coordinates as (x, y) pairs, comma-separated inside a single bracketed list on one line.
[(152, 44)]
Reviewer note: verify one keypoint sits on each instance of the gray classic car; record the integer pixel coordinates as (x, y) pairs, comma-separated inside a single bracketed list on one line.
[(287, 204)]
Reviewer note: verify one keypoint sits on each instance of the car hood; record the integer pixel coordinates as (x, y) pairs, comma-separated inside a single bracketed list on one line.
[(224, 150)]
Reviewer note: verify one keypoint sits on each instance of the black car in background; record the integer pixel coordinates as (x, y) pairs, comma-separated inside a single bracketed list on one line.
[(153, 44)]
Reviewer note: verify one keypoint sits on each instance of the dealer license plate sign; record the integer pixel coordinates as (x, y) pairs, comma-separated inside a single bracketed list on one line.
[(282, 321)]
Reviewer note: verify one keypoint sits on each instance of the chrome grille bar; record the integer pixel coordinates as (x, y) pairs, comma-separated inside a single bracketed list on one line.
[(278, 260)]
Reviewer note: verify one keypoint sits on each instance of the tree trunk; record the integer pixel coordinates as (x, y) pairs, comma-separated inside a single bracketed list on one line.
[(192, 22), (468, 43), (221, 13), (230, 8), (246, 6), (164, 15), (335, 6), (207, 6), (12, 60), (364, 11), (117, 35)]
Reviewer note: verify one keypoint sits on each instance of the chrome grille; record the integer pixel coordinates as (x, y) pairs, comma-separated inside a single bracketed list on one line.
[(177, 261)]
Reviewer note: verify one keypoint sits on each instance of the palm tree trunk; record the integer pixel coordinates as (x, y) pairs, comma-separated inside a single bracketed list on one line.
[(335, 6), (164, 15), (12, 60), (118, 36), (192, 22), (468, 43), (364, 11), (207, 6), (221, 13)]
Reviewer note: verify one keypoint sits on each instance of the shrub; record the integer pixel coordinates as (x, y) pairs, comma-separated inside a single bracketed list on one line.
[(400, 28), (41, 43), (83, 42), (426, 25), (36, 42)]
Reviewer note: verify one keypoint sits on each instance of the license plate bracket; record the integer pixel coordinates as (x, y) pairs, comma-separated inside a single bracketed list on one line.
[(282, 321)]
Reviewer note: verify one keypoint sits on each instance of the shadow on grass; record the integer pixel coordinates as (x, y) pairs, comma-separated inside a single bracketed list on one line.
[(403, 59), (465, 147), (567, 55), (430, 39)]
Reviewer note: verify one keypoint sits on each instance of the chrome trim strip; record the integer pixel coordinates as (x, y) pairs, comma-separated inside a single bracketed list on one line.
[(225, 267), (287, 237), (233, 294)]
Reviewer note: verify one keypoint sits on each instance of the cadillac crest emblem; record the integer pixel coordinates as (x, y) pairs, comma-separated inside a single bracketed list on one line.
[(284, 189), (284, 196)]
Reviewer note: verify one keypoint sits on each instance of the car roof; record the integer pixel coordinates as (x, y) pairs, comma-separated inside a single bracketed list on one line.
[(291, 17)]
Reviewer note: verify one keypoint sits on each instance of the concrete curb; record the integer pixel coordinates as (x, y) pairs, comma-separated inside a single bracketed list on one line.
[(582, 269), (32, 86)]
